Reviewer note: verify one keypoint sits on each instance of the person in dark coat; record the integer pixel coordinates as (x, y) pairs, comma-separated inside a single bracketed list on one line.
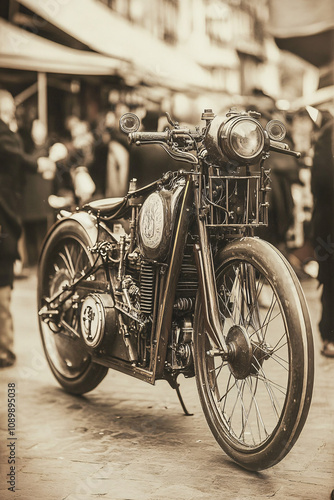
[(323, 226), (13, 164)]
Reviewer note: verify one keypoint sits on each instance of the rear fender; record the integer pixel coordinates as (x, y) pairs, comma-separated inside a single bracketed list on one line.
[(88, 222)]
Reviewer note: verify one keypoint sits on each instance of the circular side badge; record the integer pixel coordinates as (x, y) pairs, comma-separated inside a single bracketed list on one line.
[(152, 221)]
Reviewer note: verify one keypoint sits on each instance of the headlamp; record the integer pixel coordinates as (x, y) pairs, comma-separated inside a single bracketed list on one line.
[(242, 139), (239, 138)]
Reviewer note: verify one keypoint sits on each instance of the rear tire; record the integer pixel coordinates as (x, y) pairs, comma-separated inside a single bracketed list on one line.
[(257, 404), (65, 258)]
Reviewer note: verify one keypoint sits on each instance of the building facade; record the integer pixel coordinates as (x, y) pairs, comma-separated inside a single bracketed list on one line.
[(226, 37), (209, 52)]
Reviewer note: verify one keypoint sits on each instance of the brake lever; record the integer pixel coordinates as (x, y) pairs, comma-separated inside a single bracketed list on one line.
[(170, 121), (179, 155)]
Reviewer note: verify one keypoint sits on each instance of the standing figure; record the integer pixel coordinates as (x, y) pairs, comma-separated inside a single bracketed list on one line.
[(13, 164), (323, 227)]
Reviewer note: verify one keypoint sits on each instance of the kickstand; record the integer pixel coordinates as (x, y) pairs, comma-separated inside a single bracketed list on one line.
[(172, 380)]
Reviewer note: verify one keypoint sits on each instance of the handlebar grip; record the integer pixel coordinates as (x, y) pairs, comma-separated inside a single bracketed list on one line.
[(142, 137)]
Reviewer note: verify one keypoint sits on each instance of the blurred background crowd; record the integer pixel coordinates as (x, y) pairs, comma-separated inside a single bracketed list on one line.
[(74, 67)]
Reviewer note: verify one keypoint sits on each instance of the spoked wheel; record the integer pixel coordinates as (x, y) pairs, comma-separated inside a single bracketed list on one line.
[(64, 259), (256, 403)]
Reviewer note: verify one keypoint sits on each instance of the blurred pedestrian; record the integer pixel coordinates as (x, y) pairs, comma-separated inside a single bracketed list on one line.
[(98, 166), (13, 164), (323, 226), (283, 173), (110, 166), (36, 212), (117, 172), (150, 162), (80, 157), (73, 184)]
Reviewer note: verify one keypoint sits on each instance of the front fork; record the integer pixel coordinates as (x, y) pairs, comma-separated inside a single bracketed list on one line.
[(207, 283)]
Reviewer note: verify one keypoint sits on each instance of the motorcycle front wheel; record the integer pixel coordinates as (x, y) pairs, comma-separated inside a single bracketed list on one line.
[(256, 403), (64, 259)]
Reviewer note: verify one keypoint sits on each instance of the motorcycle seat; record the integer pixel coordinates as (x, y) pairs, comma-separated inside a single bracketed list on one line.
[(106, 206)]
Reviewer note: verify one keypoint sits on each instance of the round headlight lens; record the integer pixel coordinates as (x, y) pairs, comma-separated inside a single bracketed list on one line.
[(246, 139)]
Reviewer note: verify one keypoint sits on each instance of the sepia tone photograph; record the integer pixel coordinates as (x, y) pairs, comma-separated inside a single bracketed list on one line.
[(166, 249)]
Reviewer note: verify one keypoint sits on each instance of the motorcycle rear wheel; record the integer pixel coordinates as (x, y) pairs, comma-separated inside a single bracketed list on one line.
[(256, 404), (64, 259)]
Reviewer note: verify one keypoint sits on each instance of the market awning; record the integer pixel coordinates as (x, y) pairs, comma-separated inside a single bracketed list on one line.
[(305, 28), (102, 30), (20, 49)]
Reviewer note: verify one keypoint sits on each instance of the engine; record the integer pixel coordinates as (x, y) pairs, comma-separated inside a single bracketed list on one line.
[(136, 257)]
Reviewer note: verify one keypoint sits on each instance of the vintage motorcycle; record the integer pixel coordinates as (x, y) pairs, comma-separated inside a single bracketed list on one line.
[(170, 279)]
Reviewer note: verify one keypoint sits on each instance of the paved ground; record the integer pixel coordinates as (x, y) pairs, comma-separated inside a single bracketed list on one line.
[(128, 440)]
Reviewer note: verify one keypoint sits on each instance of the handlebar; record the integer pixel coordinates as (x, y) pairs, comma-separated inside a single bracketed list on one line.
[(168, 136), (149, 136), (282, 147), (170, 140), (175, 133)]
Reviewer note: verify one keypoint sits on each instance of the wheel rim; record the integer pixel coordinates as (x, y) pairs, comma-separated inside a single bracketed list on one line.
[(67, 261), (249, 403)]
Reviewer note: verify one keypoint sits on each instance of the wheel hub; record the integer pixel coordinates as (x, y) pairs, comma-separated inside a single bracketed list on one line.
[(239, 345)]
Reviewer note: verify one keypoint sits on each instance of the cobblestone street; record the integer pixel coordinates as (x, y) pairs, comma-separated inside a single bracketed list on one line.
[(129, 440)]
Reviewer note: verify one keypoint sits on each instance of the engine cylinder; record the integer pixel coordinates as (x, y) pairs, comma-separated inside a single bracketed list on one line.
[(146, 288)]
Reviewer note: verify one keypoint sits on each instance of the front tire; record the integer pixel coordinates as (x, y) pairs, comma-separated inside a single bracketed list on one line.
[(64, 259), (257, 403)]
